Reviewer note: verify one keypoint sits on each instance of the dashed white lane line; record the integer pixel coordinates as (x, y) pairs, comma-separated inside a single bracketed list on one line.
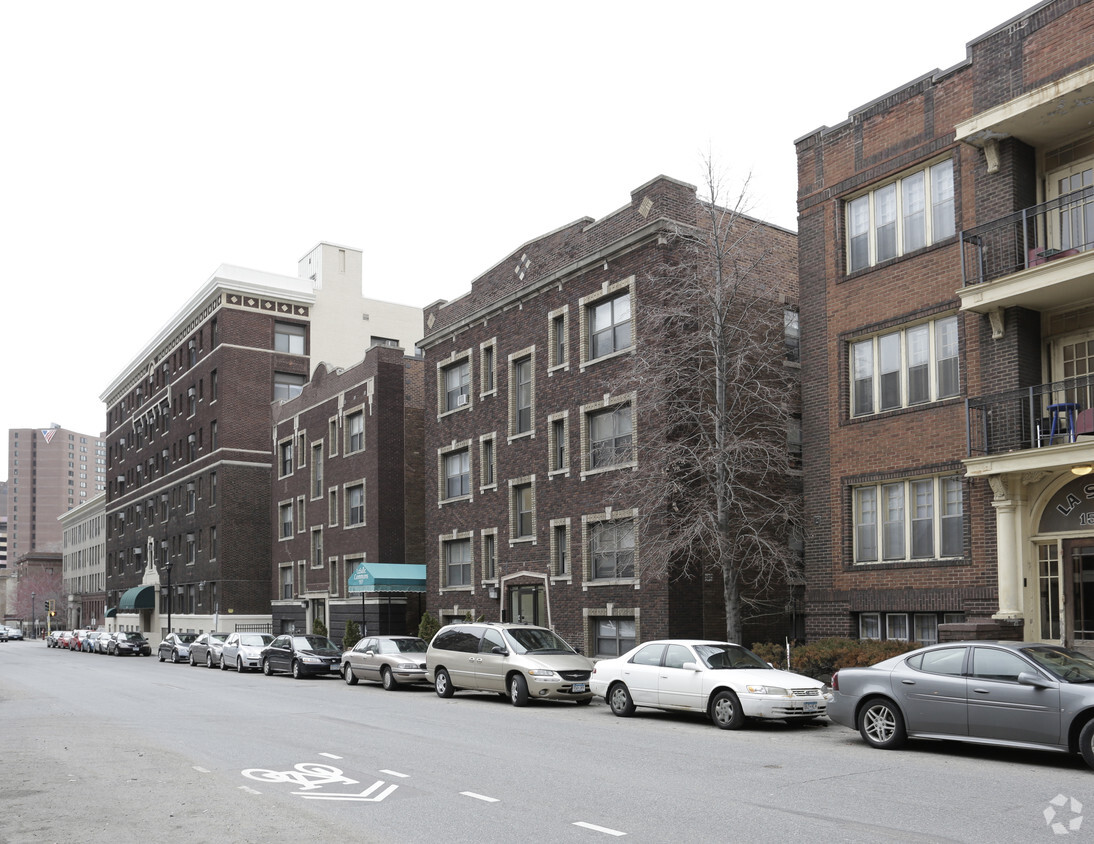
[(482, 797), (201, 770), (248, 789), (393, 773), (596, 828), (330, 755)]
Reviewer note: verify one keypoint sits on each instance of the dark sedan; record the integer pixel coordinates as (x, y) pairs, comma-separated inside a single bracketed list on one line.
[(128, 644), (301, 656), (1015, 694)]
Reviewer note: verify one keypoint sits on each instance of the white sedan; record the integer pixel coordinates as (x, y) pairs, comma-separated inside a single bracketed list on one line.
[(724, 681)]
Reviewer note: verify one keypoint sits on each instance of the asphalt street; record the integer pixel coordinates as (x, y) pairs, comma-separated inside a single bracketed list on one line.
[(104, 749)]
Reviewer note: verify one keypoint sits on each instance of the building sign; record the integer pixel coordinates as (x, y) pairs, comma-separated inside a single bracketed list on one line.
[(1071, 508)]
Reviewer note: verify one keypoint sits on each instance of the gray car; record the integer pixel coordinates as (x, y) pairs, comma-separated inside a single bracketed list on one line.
[(1015, 694), (243, 651), (205, 649), (391, 660)]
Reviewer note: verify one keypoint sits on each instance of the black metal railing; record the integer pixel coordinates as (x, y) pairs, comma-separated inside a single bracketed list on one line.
[(1031, 417), (1055, 229)]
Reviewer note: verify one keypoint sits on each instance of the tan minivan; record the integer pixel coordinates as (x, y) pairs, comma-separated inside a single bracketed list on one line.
[(519, 661)]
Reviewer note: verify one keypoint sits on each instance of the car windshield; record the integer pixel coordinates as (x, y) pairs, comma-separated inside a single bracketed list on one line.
[(256, 640), (218, 637), (187, 638), (537, 640), (1064, 663), (134, 637), (402, 646), (729, 656), (313, 643)]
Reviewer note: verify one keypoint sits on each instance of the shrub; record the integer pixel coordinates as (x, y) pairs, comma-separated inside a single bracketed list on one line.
[(352, 635), (822, 658), (318, 627), (428, 627)]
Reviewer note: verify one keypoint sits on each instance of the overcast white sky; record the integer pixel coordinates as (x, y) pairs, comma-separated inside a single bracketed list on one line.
[(144, 144)]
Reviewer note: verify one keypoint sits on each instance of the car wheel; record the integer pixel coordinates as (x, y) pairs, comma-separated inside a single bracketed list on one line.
[(348, 675), (518, 690), (158, 653), (267, 669), (193, 662), (881, 724), (209, 660), (619, 699), (239, 665), (296, 672), (442, 683), (223, 663), (175, 657), (1086, 743), (387, 679), (725, 711)]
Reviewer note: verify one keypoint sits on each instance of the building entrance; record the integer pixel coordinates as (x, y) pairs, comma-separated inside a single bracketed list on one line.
[(528, 605), (1079, 592)]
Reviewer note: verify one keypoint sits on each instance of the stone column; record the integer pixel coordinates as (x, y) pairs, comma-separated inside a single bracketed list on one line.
[(1008, 543)]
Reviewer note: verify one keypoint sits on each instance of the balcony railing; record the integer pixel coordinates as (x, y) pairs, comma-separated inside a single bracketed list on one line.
[(1055, 229), (1023, 418)]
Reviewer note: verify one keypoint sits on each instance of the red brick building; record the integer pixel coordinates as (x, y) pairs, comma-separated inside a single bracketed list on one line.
[(525, 442), (947, 336), (347, 490)]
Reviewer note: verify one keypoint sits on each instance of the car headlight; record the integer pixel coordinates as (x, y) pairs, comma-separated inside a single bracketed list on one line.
[(311, 659), (768, 690), (541, 672), (406, 666)]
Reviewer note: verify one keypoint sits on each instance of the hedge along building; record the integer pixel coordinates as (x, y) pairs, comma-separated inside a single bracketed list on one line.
[(948, 336), (527, 449), (189, 459), (347, 491)]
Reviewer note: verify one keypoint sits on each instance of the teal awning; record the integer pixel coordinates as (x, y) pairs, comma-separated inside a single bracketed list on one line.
[(137, 598), (387, 577), (111, 612)]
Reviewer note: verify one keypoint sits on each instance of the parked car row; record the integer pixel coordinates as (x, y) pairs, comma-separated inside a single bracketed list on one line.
[(116, 643), (12, 633)]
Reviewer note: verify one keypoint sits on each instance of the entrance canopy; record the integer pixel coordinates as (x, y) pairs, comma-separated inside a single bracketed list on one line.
[(138, 598), (387, 577), (112, 612)]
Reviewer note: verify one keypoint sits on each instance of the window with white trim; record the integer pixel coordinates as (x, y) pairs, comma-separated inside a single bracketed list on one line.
[(287, 385), (908, 213), (521, 393), (355, 432), (488, 365), (487, 461), (522, 512), (456, 384), (490, 554), (457, 473), (558, 344), (285, 509), (905, 520), (610, 325), (355, 505), (289, 338), (457, 562), (907, 367), (611, 549), (613, 637)]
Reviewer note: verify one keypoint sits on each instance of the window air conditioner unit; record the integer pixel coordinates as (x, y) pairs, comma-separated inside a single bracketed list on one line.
[(461, 400)]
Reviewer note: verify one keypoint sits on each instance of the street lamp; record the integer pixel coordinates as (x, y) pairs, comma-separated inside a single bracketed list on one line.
[(167, 568)]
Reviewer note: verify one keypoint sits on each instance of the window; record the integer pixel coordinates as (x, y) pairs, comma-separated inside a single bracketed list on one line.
[(909, 213), (284, 458), (558, 343), (611, 549), (191, 352), (317, 470), (903, 368), (213, 542), (286, 520), (486, 461), (332, 507), (909, 520), (992, 664), (523, 511), (389, 342), (926, 628), (191, 498), (609, 325), (191, 550), (355, 505), (214, 435), (457, 562), (317, 547), (1049, 581), (355, 432), (487, 361), (794, 441), (869, 625), (896, 626), (560, 548), (489, 555), (287, 386), (456, 381), (191, 402), (457, 473), (289, 338), (214, 386), (792, 336), (613, 636), (610, 438), (286, 582), (521, 391), (558, 437)]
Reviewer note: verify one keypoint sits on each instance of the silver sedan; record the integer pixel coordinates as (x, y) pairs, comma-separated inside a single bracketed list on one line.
[(391, 660), (1015, 694)]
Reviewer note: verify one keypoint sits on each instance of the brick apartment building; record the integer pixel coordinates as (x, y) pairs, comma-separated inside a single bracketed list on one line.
[(83, 566), (189, 451), (947, 311), (525, 442), (347, 490)]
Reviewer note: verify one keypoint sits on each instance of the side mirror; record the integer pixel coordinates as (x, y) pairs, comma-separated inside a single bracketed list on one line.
[(1028, 678), (690, 666), (499, 651)]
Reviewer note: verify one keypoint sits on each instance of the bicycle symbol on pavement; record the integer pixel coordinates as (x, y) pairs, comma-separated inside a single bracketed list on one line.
[(310, 776), (307, 775)]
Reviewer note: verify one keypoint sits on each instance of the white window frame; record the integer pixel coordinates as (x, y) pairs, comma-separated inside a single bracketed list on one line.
[(870, 361), (587, 306), (900, 505)]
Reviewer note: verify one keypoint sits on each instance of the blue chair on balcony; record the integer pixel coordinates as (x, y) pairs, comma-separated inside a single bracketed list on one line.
[(1068, 410)]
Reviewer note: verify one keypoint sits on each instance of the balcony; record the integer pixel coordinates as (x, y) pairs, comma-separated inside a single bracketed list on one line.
[(1043, 417), (1039, 258)]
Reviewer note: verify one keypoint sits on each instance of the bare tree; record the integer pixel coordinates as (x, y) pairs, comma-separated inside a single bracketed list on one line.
[(712, 487)]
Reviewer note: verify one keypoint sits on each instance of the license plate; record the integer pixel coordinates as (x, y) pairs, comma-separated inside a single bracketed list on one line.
[(577, 688), (810, 706)]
